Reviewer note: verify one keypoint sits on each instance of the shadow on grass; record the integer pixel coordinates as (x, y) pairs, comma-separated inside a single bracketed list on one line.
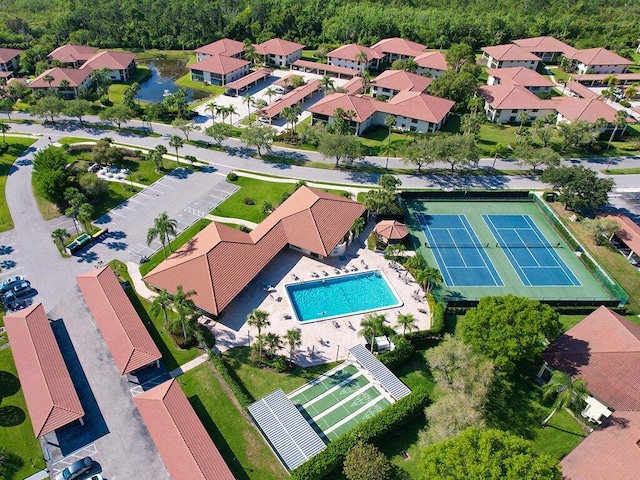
[(218, 439), (10, 465), (565, 431)]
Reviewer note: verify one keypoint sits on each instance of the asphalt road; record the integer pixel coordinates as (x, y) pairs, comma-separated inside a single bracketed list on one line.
[(115, 431)]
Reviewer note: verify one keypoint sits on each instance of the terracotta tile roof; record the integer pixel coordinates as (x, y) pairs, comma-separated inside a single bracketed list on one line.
[(419, 105), (391, 229), (8, 54), (74, 76), (350, 51), (611, 451), (401, 80), (599, 56), (259, 74), (353, 86), (589, 109), (324, 66), (72, 53), (433, 60), (604, 349), (629, 232), (290, 98), (110, 60), (545, 44), (278, 46), (224, 46), (209, 263), (407, 104), (630, 77), (51, 398), (398, 46), (509, 52), (219, 64), (524, 77), (182, 441), (124, 333), (4, 74), (506, 96), (580, 90)]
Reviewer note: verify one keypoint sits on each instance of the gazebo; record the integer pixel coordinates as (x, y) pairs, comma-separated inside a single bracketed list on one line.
[(391, 231)]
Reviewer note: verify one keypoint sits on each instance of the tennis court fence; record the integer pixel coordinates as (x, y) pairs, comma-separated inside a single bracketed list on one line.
[(494, 245)]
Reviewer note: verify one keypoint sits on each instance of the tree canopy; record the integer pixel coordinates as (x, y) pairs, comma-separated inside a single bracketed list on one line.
[(509, 330), (488, 454), (580, 188)]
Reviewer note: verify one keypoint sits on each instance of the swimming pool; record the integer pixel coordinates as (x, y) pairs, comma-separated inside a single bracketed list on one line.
[(341, 295)]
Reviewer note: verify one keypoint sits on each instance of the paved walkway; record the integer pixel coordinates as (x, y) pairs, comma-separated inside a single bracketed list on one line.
[(189, 365), (136, 278)]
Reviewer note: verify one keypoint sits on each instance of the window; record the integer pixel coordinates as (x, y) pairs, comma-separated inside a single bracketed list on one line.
[(512, 119), (534, 110), (514, 111), (414, 120), (412, 129)]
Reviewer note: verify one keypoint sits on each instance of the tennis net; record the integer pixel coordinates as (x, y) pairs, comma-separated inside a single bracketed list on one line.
[(492, 245)]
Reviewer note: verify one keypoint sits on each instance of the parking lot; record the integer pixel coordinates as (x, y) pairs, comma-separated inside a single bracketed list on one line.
[(257, 92)]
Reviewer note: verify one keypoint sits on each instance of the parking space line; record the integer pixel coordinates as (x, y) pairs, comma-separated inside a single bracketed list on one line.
[(119, 214), (11, 271), (137, 201)]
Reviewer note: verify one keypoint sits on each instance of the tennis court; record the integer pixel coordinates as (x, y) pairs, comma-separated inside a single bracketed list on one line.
[(491, 247), (531, 255), (339, 400), (460, 255)]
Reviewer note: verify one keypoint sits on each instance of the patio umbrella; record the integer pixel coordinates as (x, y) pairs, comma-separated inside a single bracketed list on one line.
[(391, 230)]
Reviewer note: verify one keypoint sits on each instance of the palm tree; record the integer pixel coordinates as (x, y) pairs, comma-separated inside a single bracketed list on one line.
[(176, 142), (260, 343), (258, 319), (327, 84), (48, 78), (211, 107), (270, 92), (366, 81), (630, 92), (163, 226), (407, 321), (361, 57), (522, 117), (85, 214), (185, 309), (161, 302), (59, 235), (410, 65), (248, 101), (274, 343), (358, 226), (389, 121), (619, 122), (372, 326), (231, 111), (294, 341), (429, 278), (4, 128), (566, 391)]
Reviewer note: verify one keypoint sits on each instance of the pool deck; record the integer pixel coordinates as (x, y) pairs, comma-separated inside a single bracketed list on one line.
[(322, 341)]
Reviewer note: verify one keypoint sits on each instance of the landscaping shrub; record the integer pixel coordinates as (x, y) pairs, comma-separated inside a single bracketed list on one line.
[(374, 429), (243, 398), (400, 354), (232, 177), (249, 201), (624, 103)]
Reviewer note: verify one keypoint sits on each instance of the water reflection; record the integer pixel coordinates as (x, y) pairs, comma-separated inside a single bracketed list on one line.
[(164, 72)]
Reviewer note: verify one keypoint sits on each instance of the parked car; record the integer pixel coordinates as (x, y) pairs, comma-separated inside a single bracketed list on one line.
[(278, 89), (18, 292), (10, 282), (76, 469), (97, 476), (230, 92)]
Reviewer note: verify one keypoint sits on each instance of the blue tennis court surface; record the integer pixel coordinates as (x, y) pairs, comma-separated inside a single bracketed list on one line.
[(529, 252), (460, 255)]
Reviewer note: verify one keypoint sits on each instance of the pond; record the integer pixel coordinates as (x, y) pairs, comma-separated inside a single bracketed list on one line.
[(164, 72)]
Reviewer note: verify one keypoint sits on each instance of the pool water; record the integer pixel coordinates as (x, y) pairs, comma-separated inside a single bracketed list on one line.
[(341, 295)]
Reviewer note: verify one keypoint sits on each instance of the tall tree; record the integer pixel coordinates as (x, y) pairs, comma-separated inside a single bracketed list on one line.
[(4, 128), (566, 390), (340, 147), (117, 114), (293, 337), (163, 228), (247, 99), (186, 311), (219, 132), (365, 462), (580, 188), (273, 343), (458, 55), (258, 136), (185, 126), (77, 108), (258, 319), (161, 302), (619, 123), (59, 235), (372, 326), (408, 322), (176, 142)]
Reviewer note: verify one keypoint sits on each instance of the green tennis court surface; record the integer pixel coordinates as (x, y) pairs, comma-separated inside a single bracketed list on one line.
[(339, 400), (520, 274)]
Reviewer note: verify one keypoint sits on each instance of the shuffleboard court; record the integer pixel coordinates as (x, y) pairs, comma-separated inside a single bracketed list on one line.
[(531, 255), (459, 254), (322, 384)]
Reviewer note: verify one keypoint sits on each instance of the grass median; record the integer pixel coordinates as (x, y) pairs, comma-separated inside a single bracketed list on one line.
[(15, 147)]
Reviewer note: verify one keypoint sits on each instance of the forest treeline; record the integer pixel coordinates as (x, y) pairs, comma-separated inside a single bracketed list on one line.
[(187, 24)]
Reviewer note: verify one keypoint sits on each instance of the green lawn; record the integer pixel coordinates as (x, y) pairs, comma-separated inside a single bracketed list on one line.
[(116, 90), (186, 82), (17, 145), (375, 141), (621, 171), (16, 431), (118, 193), (257, 190), (239, 442), (176, 243), (172, 356), (259, 382)]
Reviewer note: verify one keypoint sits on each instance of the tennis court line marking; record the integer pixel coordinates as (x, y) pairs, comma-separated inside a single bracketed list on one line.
[(331, 390), (319, 379), (480, 250), (512, 260), (373, 403), (345, 401)]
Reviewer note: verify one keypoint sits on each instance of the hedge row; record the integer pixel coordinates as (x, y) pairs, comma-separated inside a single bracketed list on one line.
[(243, 398), (400, 354), (374, 429)]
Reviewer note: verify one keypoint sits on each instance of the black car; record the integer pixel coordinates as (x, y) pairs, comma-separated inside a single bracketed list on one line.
[(76, 469)]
